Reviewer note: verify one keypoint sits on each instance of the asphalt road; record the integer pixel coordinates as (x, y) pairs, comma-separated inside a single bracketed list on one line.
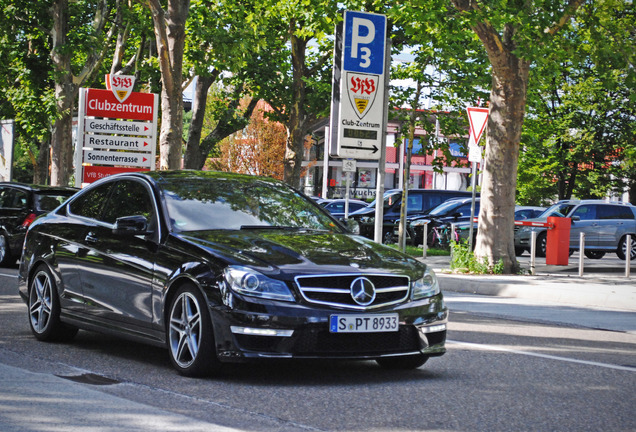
[(502, 372)]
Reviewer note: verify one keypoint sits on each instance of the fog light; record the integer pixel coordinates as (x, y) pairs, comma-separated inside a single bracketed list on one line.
[(260, 331), (433, 329)]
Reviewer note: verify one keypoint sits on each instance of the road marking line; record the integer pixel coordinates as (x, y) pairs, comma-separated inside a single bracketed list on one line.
[(546, 356)]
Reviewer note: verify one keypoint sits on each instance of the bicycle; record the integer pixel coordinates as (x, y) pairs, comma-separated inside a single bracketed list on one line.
[(441, 237)]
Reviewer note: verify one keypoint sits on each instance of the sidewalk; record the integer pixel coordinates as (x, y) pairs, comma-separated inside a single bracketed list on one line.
[(603, 284)]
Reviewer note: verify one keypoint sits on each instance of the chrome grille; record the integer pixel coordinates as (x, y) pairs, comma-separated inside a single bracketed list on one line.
[(335, 290)]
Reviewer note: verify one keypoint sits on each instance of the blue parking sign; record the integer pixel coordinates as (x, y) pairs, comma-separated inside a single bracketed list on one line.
[(364, 42)]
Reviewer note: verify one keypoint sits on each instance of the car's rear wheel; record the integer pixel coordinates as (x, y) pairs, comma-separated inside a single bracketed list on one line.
[(190, 338), (5, 253), (622, 248), (44, 309), (591, 254), (542, 244), (407, 362)]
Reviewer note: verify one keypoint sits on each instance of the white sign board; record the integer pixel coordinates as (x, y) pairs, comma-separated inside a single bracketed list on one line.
[(362, 83), (6, 150)]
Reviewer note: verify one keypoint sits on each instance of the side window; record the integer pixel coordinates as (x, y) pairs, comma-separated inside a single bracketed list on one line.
[(90, 204), (464, 209), (614, 212), (20, 199), (129, 198), (414, 203), (6, 198), (585, 212)]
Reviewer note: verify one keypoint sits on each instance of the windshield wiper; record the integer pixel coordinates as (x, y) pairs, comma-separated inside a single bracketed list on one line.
[(276, 227), (268, 227)]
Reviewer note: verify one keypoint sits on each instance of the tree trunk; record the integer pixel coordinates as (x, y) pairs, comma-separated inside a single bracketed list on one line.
[(61, 137), (295, 130), (194, 159), (495, 237), (170, 37)]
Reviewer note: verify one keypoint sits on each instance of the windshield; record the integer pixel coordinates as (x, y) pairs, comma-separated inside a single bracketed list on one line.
[(557, 210), (196, 204), (444, 208)]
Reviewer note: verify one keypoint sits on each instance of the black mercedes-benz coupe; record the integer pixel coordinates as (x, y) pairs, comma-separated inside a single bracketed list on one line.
[(221, 267)]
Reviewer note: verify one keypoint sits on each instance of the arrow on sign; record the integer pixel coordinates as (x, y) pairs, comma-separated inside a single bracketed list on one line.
[(477, 117), (373, 149)]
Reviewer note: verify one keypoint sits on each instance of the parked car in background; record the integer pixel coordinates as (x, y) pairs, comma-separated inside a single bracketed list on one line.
[(337, 207), (20, 204), (605, 224), (420, 202), (221, 267), (454, 210), (521, 213)]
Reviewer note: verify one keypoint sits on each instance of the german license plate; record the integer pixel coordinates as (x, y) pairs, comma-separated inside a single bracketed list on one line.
[(364, 323)]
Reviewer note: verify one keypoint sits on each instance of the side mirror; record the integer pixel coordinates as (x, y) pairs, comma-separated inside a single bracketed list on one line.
[(131, 225), (576, 218)]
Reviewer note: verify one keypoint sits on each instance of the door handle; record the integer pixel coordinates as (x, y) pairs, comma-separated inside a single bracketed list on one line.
[(90, 238)]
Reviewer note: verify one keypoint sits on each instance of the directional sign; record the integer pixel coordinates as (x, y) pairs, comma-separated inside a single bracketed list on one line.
[(362, 82), (118, 127), (118, 158), (117, 131), (116, 142), (477, 117)]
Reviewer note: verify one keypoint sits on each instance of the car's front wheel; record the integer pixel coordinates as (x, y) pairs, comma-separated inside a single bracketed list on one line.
[(591, 254), (407, 362), (622, 248), (44, 309), (190, 338)]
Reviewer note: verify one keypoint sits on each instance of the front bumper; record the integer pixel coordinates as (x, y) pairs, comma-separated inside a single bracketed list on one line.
[(255, 330)]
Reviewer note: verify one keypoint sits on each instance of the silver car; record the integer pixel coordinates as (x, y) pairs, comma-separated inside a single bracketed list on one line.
[(605, 224)]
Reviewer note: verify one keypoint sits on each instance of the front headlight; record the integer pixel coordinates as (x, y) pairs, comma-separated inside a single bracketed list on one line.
[(249, 282), (420, 222), (427, 286), (367, 220)]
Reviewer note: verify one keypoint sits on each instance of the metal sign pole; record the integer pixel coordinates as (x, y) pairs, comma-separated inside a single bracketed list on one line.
[(379, 191)]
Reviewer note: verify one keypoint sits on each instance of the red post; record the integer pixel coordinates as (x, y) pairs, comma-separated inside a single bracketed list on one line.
[(558, 246)]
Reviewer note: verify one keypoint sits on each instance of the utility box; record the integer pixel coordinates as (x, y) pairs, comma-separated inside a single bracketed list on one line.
[(558, 241)]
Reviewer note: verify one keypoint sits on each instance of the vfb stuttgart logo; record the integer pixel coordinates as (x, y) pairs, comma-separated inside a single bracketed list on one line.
[(362, 89), (121, 85)]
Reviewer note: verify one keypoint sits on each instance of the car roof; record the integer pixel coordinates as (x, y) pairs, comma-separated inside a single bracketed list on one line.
[(39, 188), (593, 201)]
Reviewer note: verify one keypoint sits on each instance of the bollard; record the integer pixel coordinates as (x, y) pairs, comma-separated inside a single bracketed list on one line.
[(581, 253), (425, 240), (451, 239), (533, 252), (628, 255)]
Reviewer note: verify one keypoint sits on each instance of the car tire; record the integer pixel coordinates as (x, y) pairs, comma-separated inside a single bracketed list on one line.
[(44, 309), (622, 248), (542, 244), (5, 254), (407, 362), (592, 254), (189, 334)]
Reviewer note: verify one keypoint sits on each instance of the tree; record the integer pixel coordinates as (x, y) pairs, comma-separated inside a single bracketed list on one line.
[(581, 111), (257, 150), (170, 36), (513, 34), (300, 91)]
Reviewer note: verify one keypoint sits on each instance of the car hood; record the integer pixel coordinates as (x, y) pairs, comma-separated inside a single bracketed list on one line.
[(303, 251)]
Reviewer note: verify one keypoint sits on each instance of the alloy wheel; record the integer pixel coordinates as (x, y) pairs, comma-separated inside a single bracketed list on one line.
[(40, 302), (185, 329)]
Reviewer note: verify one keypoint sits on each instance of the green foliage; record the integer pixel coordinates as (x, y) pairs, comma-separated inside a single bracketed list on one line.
[(463, 261)]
